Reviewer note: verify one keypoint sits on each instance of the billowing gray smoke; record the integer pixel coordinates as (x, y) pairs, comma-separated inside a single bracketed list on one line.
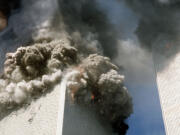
[(31, 71), (68, 40)]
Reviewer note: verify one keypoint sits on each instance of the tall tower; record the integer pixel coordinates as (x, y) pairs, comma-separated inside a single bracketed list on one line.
[(167, 65), (39, 118)]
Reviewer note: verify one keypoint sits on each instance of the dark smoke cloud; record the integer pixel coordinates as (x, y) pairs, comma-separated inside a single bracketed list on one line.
[(159, 20), (88, 25)]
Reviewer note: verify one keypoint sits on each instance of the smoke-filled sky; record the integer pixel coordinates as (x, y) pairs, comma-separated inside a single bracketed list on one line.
[(138, 69), (123, 30)]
